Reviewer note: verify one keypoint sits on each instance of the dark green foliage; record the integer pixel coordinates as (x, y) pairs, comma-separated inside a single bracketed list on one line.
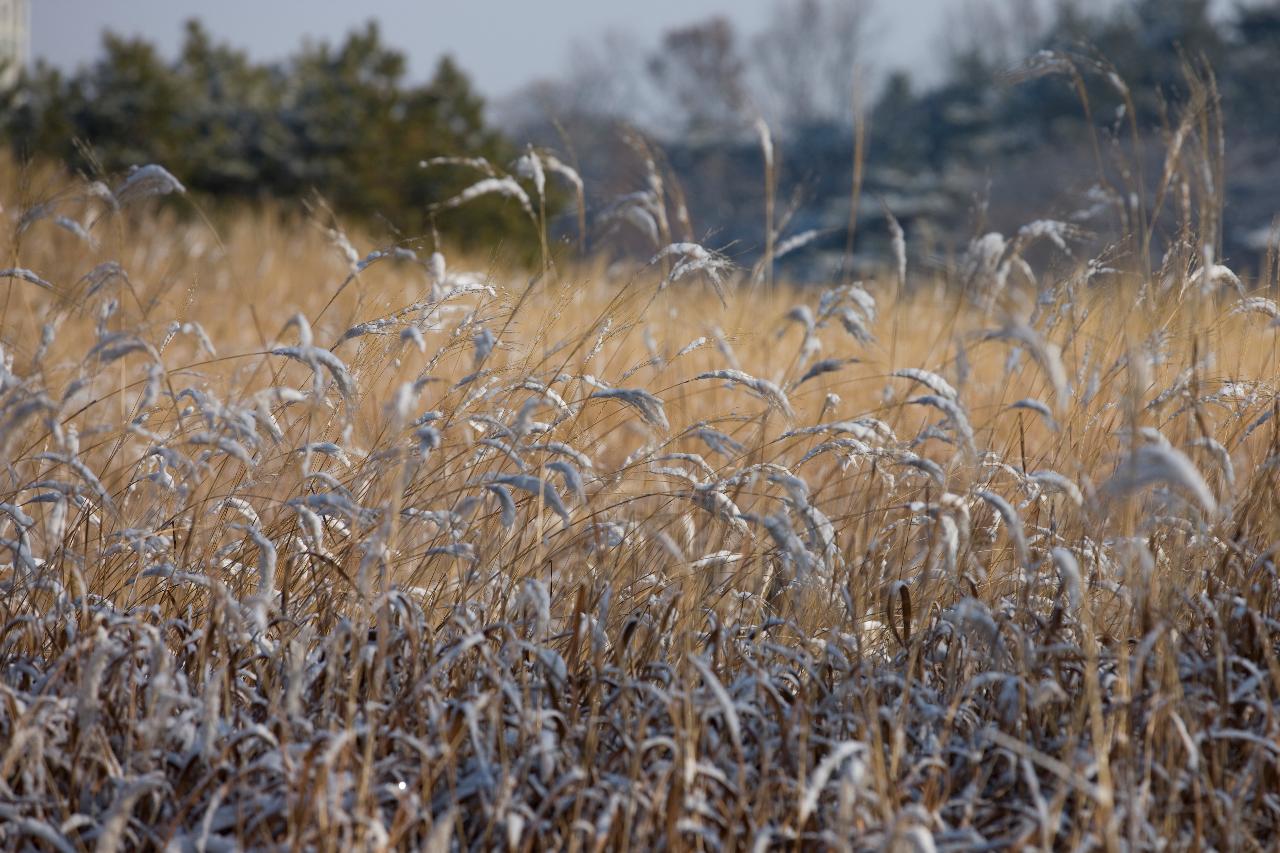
[(340, 120)]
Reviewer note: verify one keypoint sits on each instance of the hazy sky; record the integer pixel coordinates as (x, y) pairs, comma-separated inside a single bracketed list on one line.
[(501, 43)]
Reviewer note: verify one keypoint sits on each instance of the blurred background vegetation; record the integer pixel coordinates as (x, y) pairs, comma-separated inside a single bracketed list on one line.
[(988, 143), (341, 121), (985, 141)]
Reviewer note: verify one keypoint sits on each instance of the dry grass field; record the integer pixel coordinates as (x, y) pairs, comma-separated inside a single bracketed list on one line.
[(315, 547)]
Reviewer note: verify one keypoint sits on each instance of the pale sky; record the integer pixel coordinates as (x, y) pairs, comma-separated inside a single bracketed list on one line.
[(500, 43)]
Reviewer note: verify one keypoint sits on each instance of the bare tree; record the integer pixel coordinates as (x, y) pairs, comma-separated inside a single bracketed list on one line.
[(701, 73), (809, 59), (997, 32), (603, 82), (606, 73)]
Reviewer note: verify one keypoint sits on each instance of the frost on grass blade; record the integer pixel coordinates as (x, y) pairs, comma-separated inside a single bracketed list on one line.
[(763, 388), (930, 380), (692, 258), (648, 406), (145, 182), (537, 486), (506, 186), (1152, 464), (27, 276)]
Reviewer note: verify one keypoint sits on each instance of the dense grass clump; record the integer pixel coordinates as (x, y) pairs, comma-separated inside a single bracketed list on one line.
[(313, 547)]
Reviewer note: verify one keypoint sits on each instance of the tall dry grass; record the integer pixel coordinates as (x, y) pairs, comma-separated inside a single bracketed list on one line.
[(313, 547)]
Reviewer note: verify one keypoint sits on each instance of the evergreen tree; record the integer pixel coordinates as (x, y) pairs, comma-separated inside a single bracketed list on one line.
[(341, 120)]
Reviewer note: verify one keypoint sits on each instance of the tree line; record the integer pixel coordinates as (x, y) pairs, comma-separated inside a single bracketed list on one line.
[(982, 130), (341, 120), (344, 121)]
